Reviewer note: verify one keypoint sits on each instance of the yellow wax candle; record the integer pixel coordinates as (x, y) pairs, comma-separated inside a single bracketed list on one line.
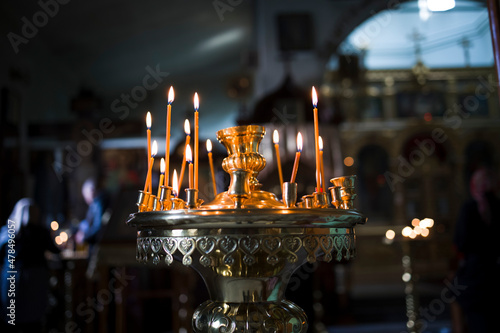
[(316, 137), (321, 165), (187, 130), (148, 135), (211, 163), (147, 185), (162, 174), (154, 151), (189, 160), (167, 140), (276, 140), (297, 158), (196, 138)]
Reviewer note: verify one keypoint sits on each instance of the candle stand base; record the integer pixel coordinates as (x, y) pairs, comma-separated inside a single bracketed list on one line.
[(246, 258)]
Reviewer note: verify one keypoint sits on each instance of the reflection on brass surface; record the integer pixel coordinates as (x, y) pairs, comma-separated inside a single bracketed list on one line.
[(246, 244)]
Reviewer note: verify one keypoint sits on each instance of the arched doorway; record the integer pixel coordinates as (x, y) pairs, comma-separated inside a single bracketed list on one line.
[(374, 193)]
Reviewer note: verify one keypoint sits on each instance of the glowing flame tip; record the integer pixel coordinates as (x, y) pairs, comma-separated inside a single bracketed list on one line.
[(276, 137), (299, 142), (209, 145), (314, 97), (175, 183), (162, 165), (154, 149), (171, 95), (196, 102), (189, 154)]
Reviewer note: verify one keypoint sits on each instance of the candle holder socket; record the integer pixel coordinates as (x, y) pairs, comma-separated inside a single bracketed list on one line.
[(156, 204), (308, 201), (347, 190), (177, 203), (142, 200), (348, 195), (289, 194), (320, 200), (151, 202), (165, 196), (336, 198), (191, 198)]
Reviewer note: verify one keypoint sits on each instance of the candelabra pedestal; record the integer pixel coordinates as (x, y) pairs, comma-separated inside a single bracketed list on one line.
[(246, 244), (246, 258)]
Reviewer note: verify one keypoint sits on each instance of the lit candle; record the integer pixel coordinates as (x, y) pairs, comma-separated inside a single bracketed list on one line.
[(175, 184), (148, 133), (276, 141), (162, 174), (211, 163), (196, 139), (154, 150), (189, 159), (187, 130), (297, 158), (321, 165), (167, 140), (316, 137)]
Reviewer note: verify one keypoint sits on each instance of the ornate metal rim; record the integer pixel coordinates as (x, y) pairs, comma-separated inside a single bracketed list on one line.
[(247, 218)]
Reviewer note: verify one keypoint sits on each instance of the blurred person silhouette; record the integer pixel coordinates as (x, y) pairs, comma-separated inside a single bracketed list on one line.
[(476, 240), (90, 229), (31, 242)]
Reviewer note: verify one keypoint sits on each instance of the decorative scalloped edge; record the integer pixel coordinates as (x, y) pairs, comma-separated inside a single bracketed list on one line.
[(276, 248)]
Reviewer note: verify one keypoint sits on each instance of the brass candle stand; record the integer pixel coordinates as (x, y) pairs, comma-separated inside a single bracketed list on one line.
[(246, 244)]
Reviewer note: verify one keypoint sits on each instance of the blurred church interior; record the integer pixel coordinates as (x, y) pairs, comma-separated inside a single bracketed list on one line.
[(408, 101)]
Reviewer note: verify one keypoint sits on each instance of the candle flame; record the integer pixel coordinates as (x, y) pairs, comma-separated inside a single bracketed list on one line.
[(175, 183), (320, 143), (171, 95), (187, 127), (299, 142), (314, 97), (196, 102), (189, 154), (148, 120), (154, 149), (209, 145), (162, 165), (276, 137)]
